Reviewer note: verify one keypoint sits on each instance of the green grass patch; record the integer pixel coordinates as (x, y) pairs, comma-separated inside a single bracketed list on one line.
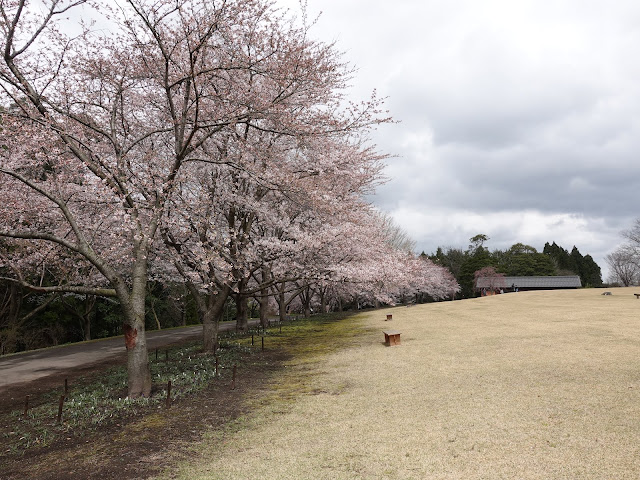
[(99, 400)]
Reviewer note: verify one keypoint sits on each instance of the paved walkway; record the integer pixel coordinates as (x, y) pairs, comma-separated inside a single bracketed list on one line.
[(29, 366)]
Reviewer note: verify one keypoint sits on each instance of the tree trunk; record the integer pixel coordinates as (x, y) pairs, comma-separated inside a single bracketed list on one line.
[(211, 316), (135, 340), (305, 297), (89, 311), (210, 323), (139, 375), (282, 304), (264, 308), (87, 327), (323, 300), (155, 315), (10, 316), (242, 321), (264, 299)]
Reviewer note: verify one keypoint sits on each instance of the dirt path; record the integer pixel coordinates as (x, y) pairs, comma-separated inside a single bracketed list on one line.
[(37, 364)]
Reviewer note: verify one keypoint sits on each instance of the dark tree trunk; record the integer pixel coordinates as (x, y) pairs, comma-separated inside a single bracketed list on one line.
[(264, 309), (89, 314), (305, 297), (282, 304), (263, 300), (10, 317), (135, 341), (210, 324), (323, 300), (87, 327), (132, 300), (242, 319), (211, 315)]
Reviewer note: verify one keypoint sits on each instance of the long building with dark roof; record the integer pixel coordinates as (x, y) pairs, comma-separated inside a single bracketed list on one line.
[(529, 283)]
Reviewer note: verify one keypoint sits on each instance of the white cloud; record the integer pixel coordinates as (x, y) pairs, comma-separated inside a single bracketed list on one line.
[(594, 236), (518, 118)]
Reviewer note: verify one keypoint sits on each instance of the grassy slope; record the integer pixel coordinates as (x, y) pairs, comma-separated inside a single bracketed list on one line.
[(527, 385)]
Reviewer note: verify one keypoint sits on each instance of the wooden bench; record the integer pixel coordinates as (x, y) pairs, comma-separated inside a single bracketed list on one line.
[(391, 337), (637, 295)]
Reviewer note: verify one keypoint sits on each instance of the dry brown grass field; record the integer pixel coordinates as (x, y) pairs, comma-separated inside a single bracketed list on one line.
[(528, 385)]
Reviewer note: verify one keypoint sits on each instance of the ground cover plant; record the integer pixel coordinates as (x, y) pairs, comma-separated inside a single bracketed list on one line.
[(94, 402), (528, 385), (102, 429)]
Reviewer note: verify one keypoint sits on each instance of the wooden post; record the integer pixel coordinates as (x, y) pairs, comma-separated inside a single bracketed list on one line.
[(252, 340), (66, 387), (263, 343), (166, 355), (217, 371), (26, 405), (156, 354), (60, 405), (169, 394)]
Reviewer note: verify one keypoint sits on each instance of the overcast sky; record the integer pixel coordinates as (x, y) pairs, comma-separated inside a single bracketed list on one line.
[(517, 119)]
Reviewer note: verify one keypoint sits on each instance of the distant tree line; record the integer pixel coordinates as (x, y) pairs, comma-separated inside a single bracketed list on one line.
[(518, 260)]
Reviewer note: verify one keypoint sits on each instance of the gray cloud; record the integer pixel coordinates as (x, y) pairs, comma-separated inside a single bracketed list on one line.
[(518, 119)]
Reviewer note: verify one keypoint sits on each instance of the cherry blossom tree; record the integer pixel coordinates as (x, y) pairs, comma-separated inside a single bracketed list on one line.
[(202, 141), (103, 122), (254, 212), (124, 112), (492, 279), (379, 266)]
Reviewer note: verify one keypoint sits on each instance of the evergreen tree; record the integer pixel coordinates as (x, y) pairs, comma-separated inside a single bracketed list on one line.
[(561, 258), (476, 257), (590, 274), (524, 260)]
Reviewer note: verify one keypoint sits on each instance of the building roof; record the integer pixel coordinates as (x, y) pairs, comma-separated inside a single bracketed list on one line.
[(565, 281)]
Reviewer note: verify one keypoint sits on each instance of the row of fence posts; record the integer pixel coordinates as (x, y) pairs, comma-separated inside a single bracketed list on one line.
[(215, 347), (63, 397), (166, 358)]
